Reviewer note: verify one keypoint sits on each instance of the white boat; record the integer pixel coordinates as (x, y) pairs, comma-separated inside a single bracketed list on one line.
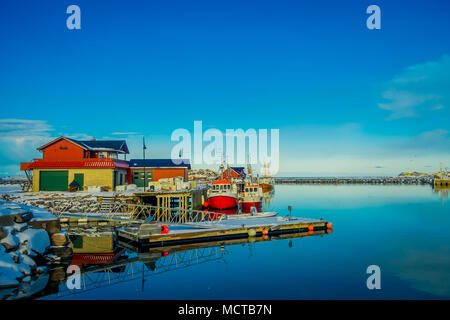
[(251, 215)]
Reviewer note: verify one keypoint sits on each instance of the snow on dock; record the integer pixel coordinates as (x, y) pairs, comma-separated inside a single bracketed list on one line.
[(226, 229)]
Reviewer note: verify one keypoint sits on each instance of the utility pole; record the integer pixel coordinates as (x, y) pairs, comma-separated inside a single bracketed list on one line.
[(143, 151)]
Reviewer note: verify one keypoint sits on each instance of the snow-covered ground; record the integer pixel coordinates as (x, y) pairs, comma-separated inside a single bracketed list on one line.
[(20, 244)]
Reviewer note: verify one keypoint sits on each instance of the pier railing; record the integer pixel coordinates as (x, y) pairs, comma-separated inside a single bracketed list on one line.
[(110, 210), (121, 271)]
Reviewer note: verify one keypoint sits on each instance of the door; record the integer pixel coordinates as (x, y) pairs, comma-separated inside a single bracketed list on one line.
[(138, 177), (115, 180), (53, 180), (79, 178)]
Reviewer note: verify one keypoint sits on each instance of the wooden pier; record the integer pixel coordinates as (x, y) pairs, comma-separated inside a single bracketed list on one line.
[(381, 180), (226, 229), (441, 183)]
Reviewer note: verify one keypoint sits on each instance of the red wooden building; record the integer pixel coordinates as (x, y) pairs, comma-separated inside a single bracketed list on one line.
[(88, 162), (233, 172)]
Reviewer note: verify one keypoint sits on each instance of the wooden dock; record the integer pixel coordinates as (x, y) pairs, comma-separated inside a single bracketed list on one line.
[(227, 229), (70, 220)]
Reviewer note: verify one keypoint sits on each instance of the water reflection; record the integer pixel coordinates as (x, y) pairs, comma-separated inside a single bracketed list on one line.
[(403, 229), (441, 191), (267, 197)]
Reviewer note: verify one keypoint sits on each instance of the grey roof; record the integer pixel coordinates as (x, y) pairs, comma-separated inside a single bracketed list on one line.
[(159, 163), (239, 170), (104, 145)]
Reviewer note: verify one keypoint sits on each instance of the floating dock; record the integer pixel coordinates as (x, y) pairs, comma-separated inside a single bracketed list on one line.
[(226, 229)]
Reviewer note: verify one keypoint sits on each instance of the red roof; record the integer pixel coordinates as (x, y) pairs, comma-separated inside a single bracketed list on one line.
[(94, 145), (67, 164), (221, 182)]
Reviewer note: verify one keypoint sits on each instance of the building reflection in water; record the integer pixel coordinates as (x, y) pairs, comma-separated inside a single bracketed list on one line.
[(128, 263), (441, 191)]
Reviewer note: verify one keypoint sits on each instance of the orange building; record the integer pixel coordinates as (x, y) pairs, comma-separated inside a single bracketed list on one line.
[(87, 162), (155, 169)]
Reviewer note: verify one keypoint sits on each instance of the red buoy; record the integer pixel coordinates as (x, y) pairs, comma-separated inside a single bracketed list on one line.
[(265, 231), (164, 229), (311, 227), (165, 253), (329, 225)]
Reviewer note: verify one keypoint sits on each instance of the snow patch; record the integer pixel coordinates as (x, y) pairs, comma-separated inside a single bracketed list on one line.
[(34, 239)]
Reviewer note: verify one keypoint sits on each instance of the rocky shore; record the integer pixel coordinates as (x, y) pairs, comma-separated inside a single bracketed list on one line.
[(74, 202), (30, 240)]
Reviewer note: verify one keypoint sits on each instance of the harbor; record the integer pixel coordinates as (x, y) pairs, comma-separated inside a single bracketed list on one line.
[(88, 216), (112, 262), (109, 246), (152, 213)]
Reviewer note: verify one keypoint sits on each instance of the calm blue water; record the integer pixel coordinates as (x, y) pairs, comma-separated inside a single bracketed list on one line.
[(403, 229)]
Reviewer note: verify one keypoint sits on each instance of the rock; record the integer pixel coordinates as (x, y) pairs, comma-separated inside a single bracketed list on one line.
[(41, 269), (9, 270), (29, 261), (53, 258), (9, 230), (19, 227), (3, 233), (6, 282), (34, 241), (59, 239), (24, 217), (58, 274), (11, 242), (62, 251), (15, 256)]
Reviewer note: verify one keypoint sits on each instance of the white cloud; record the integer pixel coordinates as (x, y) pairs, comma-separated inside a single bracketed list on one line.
[(418, 89), (19, 139), (23, 128)]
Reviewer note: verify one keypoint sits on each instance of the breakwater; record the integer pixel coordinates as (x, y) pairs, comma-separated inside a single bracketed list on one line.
[(363, 180)]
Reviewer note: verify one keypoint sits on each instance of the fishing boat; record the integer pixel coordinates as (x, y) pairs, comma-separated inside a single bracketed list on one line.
[(251, 198), (222, 195), (266, 181)]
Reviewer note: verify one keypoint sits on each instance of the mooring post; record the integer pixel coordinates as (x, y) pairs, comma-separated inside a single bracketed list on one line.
[(290, 212)]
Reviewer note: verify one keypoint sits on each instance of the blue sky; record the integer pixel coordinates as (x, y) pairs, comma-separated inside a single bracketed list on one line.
[(347, 100)]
